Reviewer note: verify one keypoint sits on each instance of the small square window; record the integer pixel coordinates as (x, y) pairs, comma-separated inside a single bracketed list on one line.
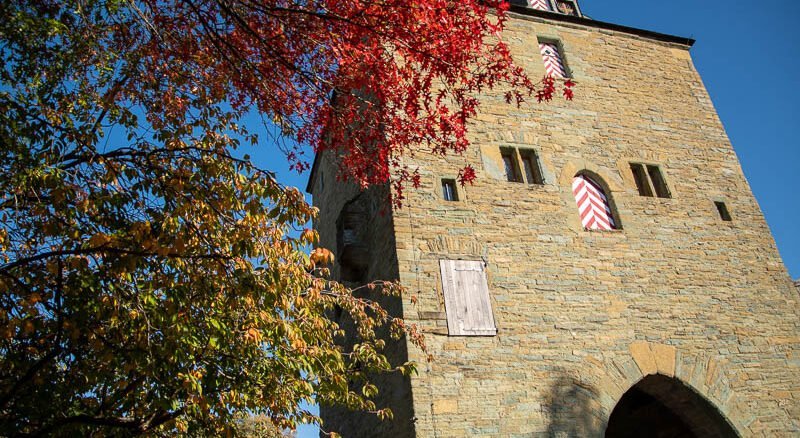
[(722, 209), (649, 180), (449, 191)]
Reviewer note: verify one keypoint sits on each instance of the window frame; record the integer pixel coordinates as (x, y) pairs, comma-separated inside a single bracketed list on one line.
[(511, 154), (532, 157), (561, 54), (651, 187), (449, 181), (519, 156), (610, 203)]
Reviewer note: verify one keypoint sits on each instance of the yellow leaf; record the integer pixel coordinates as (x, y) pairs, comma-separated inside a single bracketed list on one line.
[(309, 236), (252, 335), (99, 240), (321, 256)]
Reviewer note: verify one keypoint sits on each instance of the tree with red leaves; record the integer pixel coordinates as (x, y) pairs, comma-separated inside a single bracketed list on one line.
[(149, 282)]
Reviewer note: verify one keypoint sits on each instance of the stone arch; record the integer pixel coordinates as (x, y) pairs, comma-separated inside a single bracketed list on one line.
[(609, 180), (706, 374), (665, 406), (610, 176)]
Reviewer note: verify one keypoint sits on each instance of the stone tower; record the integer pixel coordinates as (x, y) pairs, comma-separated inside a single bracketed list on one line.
[(609, 273)]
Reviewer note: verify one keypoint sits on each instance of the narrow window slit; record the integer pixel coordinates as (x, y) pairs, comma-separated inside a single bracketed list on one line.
[(640, 177), (722, 209), (659, 184), (511, 166), (533, 172)]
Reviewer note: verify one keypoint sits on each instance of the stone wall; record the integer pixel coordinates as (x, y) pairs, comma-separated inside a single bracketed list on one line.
[(583, 316), (375, 230)]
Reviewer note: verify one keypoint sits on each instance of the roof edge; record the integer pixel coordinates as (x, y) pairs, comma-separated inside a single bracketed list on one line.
[(312, 176), (522, 10)]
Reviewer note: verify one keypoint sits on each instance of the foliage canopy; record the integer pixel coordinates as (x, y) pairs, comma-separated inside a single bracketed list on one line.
[(151, 278)]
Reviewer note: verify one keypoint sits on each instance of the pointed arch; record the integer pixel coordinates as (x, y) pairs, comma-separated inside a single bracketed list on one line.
[(595, 206), (665, 406)]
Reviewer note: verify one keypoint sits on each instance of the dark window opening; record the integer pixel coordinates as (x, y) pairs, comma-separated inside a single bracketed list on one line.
[(640, 177), (659, 184), (533, 172), (351, 242), (522, 163), (449, 191), (724, 214), (649, 180), (510, 163)]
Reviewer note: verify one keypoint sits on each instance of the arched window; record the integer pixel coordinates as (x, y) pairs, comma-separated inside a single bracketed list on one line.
[(593, 204), (352, 250)]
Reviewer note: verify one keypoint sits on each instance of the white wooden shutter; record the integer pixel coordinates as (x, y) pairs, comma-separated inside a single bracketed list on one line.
[(466, 298)]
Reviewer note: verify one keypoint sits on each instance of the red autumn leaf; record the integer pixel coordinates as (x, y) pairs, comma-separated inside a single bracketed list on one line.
[(466, 175)]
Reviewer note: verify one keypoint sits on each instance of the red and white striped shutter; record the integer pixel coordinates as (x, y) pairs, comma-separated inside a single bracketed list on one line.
[(592, 204), (539, 4), (553, 64)]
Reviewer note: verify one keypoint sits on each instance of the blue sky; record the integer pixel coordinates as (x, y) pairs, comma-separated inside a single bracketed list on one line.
[(748, 54)]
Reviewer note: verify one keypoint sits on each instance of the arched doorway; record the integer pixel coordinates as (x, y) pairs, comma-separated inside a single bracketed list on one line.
[(663, 407)]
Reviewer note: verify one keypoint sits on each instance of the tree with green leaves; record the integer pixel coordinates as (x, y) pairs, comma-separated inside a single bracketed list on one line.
[(152, 278)]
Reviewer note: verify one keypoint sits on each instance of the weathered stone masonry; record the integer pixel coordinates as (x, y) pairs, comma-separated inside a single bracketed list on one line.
[(583, 316)]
